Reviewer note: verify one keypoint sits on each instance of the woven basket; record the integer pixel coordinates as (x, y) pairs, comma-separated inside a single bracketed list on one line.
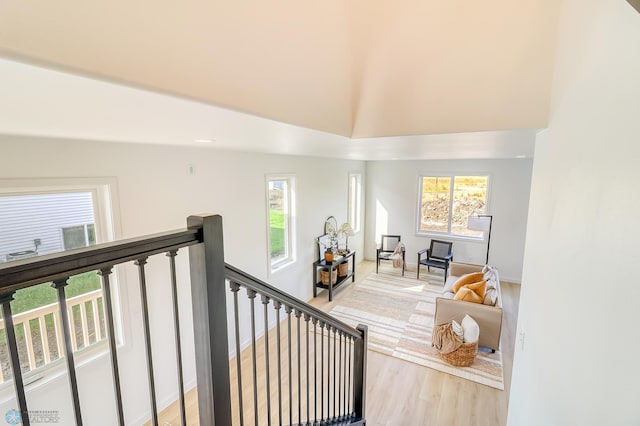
[(324, 276), (463, 356), (343, 269)]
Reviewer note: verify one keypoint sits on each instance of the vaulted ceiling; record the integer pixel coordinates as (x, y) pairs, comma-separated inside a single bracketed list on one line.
[(357, 68)]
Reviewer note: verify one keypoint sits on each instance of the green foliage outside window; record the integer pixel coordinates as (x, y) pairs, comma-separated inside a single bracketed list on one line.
[(279, 193), (277, 233)]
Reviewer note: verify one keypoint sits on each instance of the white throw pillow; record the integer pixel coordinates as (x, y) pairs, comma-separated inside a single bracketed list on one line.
[(490, 297), (491, 284), (470, 329), (491, 276), (457, 328)]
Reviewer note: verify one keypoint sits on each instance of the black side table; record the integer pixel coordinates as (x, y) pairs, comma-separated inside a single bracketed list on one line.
[(330, 266)]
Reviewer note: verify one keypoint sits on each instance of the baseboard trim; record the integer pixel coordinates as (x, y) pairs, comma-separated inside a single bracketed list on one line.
[(412, 268)]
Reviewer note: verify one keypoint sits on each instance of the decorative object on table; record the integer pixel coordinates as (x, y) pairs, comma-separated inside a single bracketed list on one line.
[(324, 276), (331, 229), (389, 244), (328, 255), (343, 269), (438, 256), (481, 222), (346, 231), (399, 312), (324, 246)]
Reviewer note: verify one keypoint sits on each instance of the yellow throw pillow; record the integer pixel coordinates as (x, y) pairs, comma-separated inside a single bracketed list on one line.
[(479, 288), (472, 292), (473, 277), (462, 294)]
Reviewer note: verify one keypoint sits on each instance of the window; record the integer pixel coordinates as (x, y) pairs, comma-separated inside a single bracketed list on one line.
[(46, 222), (355, 200), (79, 236), (280, 205), (41, 217), (446, 202)]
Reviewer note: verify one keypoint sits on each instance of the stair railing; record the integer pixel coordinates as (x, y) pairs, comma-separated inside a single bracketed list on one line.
[(335, 394), (320, 362), (57, 269)]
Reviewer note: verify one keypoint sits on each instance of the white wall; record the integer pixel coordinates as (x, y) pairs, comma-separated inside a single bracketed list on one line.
[(156, 193), (579, 300), (392, 187)]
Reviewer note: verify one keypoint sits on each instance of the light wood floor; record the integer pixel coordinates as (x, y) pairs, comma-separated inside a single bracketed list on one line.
[(398, 392)]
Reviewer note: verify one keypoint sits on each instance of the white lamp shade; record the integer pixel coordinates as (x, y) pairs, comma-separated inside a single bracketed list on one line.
[(479, 223), (347, 230)]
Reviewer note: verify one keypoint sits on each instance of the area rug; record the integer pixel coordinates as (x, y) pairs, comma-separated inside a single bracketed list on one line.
[(399, 312)]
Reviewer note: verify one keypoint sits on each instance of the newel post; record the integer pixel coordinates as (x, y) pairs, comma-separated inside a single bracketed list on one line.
[(360, 372), (208, 295)]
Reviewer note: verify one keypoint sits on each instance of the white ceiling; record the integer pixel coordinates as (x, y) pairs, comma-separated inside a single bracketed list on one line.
[(43, 102), (374, 79)]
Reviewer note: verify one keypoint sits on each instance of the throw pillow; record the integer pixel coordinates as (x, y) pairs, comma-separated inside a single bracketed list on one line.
[(464, 294), (491, 296), (491, 275), (474, 277), (457, 328), (470, 329), (479, 288), (472, 292), (491, 283)]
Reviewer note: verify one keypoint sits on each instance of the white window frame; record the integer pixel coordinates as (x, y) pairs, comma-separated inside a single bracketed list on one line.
[(449, 234), (290, 224), (107, 228), (85, 229), (103, 190), (354, 204)]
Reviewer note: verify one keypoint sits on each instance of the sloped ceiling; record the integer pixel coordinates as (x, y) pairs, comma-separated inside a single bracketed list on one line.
[(356, 68)]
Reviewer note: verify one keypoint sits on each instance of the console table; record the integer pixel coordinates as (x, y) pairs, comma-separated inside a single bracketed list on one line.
[(330, 266)]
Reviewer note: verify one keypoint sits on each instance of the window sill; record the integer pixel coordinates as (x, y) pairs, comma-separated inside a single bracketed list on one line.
[(449, 237), (53, 371), (280, 266)]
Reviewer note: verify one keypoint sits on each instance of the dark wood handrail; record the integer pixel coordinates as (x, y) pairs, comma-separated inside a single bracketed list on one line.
[(27, 272), (209, 275), (262, 287)]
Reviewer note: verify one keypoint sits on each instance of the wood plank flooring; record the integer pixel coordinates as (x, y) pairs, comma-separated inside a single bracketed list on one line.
[(398, 392)]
